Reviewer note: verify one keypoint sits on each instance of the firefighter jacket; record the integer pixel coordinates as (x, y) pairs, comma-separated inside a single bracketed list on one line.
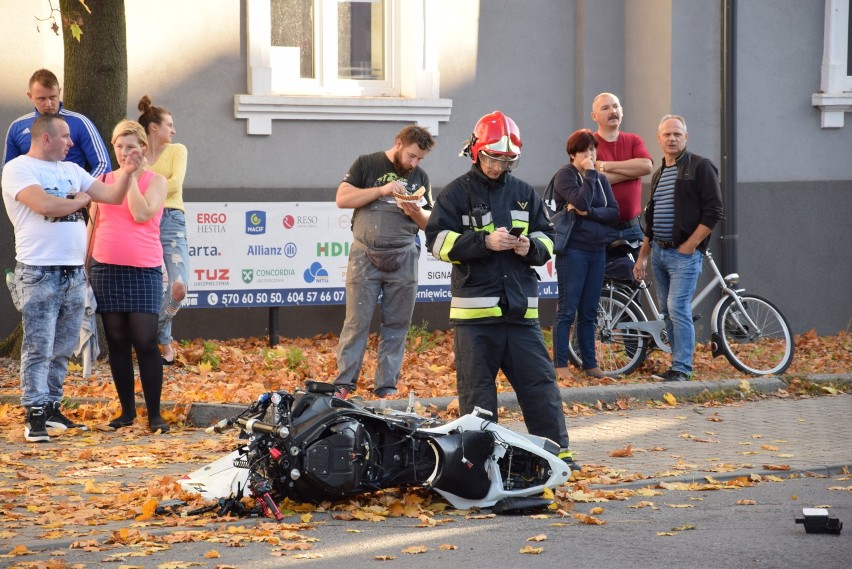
[(490, 286)]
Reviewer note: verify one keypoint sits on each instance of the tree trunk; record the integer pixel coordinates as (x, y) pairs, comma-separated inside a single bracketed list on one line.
[(96, 67), (95, 85), (10, 346)]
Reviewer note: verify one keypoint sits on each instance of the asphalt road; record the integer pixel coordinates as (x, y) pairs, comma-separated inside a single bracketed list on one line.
[(725, 534), (682, 444)]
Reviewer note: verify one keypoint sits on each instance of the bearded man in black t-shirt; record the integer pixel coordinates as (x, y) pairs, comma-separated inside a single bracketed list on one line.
[(391, 197)]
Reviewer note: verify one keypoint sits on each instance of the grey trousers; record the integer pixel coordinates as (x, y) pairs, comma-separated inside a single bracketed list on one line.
[(398, 290)]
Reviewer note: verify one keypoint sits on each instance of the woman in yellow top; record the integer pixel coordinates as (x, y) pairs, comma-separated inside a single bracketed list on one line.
[(168, 159)]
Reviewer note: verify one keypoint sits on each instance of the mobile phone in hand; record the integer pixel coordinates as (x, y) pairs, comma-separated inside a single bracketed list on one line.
[(517, 231)]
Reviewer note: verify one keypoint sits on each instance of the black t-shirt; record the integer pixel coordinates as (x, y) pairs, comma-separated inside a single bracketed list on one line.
[(382, 223)]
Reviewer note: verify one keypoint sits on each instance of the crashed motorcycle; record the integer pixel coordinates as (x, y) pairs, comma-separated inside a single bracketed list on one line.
[(310, 446)]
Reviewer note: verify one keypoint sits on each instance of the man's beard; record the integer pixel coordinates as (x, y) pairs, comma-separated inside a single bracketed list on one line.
[(401, 169)]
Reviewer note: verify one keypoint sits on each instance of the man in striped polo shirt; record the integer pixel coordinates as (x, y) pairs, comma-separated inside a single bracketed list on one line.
[(686, 203)]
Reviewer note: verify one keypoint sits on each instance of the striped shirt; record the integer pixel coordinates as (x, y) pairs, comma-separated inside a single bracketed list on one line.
[(664, 204)]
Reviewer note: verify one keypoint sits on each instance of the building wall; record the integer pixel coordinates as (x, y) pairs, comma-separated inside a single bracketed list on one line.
[(541, 62), (794, 190)]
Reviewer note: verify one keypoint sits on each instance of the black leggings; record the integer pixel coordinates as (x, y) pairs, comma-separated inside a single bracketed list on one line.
[(136, 330)]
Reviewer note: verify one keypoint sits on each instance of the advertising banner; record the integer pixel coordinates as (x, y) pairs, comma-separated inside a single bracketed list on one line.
[(256, 254)]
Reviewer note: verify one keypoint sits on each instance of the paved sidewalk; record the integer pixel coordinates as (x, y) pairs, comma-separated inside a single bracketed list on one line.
[(691, 442)]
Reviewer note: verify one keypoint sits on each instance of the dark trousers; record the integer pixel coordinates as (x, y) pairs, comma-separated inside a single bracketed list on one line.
[(481, 350)]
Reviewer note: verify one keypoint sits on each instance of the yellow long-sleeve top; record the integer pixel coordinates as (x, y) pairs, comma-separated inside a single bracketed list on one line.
[(172, 165)]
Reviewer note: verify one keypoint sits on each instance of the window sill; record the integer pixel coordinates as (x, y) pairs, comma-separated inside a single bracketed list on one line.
[(833, 107), (261, 110)]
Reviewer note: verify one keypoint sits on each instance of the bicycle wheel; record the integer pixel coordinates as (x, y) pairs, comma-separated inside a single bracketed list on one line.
[(755, 340), (617, 351)]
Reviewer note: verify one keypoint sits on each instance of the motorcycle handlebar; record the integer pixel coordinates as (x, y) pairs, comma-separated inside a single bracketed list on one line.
[(220, 427), (250, 426), (256, 426)]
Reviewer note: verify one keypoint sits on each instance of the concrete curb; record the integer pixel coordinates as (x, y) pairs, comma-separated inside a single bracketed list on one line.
[(205, 414)]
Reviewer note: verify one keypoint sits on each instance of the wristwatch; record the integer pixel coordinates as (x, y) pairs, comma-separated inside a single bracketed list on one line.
[(601, 168)]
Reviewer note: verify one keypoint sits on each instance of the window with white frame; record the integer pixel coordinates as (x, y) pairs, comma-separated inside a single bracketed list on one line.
[(835, 95), (341, 60)]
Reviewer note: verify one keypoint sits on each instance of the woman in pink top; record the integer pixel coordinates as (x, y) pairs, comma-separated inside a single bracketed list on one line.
[(128, 282)]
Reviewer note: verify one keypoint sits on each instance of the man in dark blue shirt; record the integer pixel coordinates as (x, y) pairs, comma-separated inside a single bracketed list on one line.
[(89, 151)]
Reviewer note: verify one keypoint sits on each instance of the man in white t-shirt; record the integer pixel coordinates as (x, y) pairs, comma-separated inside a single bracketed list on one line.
[(45, 198)]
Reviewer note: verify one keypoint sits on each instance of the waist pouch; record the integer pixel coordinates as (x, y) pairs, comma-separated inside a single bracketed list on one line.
[(387, 260)]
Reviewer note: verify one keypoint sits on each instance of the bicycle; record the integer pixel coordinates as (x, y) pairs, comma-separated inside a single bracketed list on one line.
[(747, 329)]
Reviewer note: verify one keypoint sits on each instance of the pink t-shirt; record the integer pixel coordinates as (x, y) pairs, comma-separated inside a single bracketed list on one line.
[(628, 193), (119, 240)]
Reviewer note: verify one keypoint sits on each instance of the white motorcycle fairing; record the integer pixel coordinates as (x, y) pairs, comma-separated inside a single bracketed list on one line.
[(505, 441)]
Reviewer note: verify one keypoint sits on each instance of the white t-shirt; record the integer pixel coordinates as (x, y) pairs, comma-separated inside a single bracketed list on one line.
[(41, 240)]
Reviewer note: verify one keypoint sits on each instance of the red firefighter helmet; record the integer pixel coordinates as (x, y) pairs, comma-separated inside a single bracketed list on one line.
[(496, 134)]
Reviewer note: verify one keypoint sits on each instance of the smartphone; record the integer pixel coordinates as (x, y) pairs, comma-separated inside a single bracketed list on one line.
[(517, 231)]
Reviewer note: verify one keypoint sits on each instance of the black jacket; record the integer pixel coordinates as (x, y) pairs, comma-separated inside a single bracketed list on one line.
[(697, 200), (489, 286), (590, 193)]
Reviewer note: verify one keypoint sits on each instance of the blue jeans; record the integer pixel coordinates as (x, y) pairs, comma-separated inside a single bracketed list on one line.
[(364, 283), (176, 260), (632, 233), (579, 276), (676, 276), (52, 303)]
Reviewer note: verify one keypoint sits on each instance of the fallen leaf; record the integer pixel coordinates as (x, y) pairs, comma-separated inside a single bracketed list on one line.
[(447, 547), (776, 467), (415, 549), (539, 537), (622, 452), (530, 550), (19, 550), (644, 504), (384, 557), (589, 520), (747, 502), (670, 399)]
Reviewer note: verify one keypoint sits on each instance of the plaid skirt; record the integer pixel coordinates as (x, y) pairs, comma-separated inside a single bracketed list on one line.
[(119, 288)]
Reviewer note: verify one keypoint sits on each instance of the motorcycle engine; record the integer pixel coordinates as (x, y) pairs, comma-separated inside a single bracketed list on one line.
[(338, 461)]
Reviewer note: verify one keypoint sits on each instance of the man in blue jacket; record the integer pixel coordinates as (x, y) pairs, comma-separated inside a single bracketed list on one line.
[(686, 203), (88, 152)]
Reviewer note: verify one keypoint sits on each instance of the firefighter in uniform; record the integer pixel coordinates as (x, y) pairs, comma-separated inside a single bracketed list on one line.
[(494, 230)]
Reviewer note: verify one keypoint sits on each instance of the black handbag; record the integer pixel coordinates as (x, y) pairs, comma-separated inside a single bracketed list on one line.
[(563, 220), (563, 223)]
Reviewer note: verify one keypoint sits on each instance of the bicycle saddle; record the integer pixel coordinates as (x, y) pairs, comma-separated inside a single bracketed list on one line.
[(619, 243)]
